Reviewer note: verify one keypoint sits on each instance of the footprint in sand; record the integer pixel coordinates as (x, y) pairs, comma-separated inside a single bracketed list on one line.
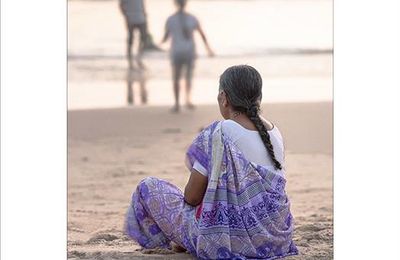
[(171, 130), (76, 254), (156, 251), (314, 232), (101, 238), (318, 237), (133, 173), (74, 229), (311, 227)]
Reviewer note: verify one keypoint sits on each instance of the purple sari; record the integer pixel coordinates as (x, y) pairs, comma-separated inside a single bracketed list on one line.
[(245, 212)]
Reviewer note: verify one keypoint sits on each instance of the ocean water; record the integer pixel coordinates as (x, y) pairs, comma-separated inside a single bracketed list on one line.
[(288, 41)]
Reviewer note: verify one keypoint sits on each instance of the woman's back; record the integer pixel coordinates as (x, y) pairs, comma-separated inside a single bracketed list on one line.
[(250, 144)]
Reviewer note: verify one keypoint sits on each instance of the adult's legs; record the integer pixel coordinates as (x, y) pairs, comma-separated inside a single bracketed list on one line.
[(145, 221), (143, 34), (142, 84), (158, 215), (176, 75), (188, 77), (130, 28), (129, 81), (130, 93)]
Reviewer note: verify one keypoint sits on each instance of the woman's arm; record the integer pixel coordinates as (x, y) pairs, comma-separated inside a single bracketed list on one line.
[(165, 38), (203, 36), (166, 33), (195, 188)]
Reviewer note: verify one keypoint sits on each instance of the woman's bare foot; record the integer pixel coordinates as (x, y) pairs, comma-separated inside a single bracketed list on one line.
[(177, 248)]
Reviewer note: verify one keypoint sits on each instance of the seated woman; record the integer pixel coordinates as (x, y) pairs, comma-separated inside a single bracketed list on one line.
[(234, 205)]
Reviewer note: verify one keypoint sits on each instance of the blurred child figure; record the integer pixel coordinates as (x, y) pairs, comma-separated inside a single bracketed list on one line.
[(135, 17), (180, 27)]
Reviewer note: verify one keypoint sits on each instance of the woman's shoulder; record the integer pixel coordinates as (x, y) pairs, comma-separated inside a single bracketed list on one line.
[(235, 130), (229, 125), (211, 127)]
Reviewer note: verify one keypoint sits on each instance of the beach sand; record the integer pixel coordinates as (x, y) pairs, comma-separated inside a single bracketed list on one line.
[(111, 150)]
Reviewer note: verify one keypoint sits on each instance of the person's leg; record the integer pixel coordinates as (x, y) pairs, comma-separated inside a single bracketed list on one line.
[(143, 34), (158, 214), (176, 75), (130, 43), (142, 83), (129, 81), (188, 77), (144, 220), (130, 93)]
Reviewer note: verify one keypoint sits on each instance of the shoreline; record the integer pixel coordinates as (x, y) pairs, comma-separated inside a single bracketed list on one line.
[(167, 107)]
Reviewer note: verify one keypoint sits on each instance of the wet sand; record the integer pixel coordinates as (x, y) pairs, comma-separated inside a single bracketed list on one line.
[(111, 150)]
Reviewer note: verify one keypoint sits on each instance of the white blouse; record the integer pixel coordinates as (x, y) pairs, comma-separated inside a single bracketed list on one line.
[(250, 144)]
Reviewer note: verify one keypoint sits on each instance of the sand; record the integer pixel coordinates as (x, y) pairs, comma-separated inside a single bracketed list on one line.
[(111, 150)]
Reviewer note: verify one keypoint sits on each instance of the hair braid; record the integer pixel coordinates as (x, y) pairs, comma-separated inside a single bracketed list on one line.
[(253, 114)]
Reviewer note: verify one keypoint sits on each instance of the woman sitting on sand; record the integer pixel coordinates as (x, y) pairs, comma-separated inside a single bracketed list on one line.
[(234, 204)]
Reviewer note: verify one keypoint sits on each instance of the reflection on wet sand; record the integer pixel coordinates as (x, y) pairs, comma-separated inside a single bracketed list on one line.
[(138, 76)]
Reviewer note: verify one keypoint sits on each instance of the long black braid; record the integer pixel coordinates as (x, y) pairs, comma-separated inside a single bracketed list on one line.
[(242, 85), (253, 115)]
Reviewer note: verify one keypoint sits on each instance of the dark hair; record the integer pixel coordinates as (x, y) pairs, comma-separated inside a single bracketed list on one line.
[(242, 85), (185, 29)]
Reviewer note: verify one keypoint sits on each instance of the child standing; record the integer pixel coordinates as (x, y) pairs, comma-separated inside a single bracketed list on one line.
[(180, 27)]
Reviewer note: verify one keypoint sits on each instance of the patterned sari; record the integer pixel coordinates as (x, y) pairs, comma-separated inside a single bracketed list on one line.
[(245, 213)]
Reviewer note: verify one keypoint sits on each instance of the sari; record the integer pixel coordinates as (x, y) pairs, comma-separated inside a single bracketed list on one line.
[(245, 212)]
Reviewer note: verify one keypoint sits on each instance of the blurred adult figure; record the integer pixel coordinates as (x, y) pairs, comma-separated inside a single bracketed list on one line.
[(135, 18), (180, 27)]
